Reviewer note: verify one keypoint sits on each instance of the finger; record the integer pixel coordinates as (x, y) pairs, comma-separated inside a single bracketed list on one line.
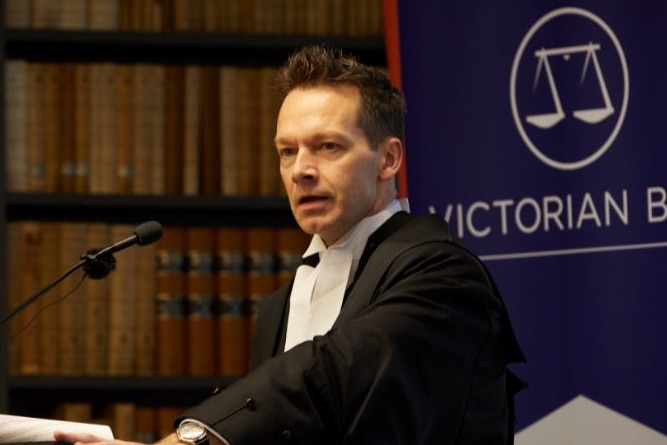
[(64, 436)]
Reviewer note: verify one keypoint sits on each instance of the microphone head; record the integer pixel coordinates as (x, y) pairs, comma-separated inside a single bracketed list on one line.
[(148, 232)]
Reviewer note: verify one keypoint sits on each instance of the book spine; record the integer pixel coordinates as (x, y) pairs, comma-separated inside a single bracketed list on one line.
[(98, 294), (72, 310), (247, 146), (36, 117), (174, 126), (145, 309), (16, 127), (201, 346), (209, 144), (31, 281), (192, 130), (82, 128), (124, 111), (122, 303), (229, 136), (260, 275), (49, 319), (65, 112), (267, 160), (170, 303), (232, 336), (291, 243)]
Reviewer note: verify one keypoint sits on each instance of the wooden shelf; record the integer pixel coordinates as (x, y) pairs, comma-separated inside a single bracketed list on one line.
[(30, 395), (176, 48), (167, 209)]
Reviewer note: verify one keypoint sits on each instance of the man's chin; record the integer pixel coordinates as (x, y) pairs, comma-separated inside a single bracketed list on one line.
[(312, 225)]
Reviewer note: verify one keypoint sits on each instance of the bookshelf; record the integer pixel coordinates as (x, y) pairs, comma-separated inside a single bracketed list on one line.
[(38, 394)]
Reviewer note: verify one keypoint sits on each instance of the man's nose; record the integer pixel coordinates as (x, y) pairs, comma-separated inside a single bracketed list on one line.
[(305, 166)]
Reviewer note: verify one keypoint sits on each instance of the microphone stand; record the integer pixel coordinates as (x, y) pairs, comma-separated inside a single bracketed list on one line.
[(96, 267)]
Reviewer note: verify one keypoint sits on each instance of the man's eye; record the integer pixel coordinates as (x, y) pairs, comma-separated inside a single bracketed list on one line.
[(286, 152), (329, 146)]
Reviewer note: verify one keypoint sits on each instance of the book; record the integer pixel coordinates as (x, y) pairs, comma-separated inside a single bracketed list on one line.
[(82, 127), (65, 120), (145, 310), (260, 273), (20, 429), (145, 430), (72, 309), (267, 115), (192, 130), (173, 129), (209, 140), (232, 337), (180, 15), (16, 124), (200, 292), (291, 243), (74, 412), (213, 15), (157, 122), (103, 15), (247, 17), (36, 123), (122, 307), (73, 14), (124, 113), (45, 14), (317, 17), (170, 303), (229, 132), (52, 126), (337, 17), (95, 132), (247, 130), (17, 13), (96, 328), (16, 251), (121, 418), (142, 161), (48, 321), (105, 168), (24, 332), (165, 419)]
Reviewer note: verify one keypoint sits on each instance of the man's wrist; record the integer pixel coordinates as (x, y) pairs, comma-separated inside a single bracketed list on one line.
[(171, 439)]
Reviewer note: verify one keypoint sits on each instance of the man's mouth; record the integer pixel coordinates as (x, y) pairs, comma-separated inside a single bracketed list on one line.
[(311, 199)]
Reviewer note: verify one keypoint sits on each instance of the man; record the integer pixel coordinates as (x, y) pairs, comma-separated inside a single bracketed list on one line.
[(398, 335)]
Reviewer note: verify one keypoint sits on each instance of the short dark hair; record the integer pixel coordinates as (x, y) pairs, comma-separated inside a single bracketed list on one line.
[(382, 110)]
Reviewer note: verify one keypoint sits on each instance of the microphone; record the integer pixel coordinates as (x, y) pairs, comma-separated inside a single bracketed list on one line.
[(97, 263), (145, 233)]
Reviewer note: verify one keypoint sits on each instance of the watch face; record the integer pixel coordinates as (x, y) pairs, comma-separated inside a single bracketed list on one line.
[(190, 432)]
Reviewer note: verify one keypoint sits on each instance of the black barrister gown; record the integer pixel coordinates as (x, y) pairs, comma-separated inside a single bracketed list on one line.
[(417, 355)]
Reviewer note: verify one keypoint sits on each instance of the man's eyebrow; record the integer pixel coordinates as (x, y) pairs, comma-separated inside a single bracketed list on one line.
[(279, 140)]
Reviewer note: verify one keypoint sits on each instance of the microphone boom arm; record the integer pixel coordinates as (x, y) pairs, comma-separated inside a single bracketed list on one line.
[(41, 292)]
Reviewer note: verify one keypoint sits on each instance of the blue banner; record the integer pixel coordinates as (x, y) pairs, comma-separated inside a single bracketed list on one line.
[(537, 130)]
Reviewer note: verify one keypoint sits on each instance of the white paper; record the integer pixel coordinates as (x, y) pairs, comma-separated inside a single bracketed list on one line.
[(30, 429)]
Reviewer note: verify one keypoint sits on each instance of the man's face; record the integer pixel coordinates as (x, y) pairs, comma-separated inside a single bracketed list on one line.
[(326, 163)]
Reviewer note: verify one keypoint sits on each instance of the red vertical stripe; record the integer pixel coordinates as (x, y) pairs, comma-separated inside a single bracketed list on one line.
[(392, 46)]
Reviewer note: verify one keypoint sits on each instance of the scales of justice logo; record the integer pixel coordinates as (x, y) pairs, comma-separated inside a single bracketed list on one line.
[(569, 88)]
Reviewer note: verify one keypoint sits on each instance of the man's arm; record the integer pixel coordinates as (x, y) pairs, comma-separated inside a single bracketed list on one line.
[(81, 438), (407, 355)]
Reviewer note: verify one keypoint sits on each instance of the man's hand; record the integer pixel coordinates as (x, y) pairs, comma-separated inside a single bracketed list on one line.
[(83, 438)]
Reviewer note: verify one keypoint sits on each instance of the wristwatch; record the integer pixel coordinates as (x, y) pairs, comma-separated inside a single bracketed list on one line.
[(192, 433)]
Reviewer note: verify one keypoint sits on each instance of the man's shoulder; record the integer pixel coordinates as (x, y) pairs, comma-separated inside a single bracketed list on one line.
[(428, 233), (430, 227)]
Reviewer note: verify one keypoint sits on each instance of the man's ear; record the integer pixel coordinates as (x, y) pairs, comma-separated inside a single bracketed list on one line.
[(390, 158)]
